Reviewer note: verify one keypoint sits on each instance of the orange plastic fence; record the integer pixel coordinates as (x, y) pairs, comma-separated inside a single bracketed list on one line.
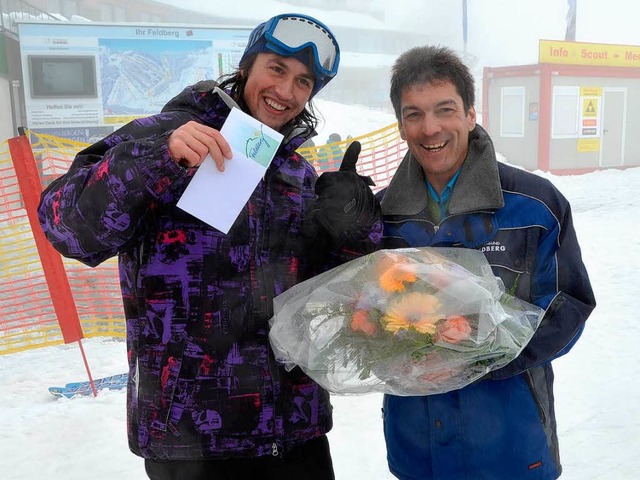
[(54, 272), (27, 316), (381, 154)]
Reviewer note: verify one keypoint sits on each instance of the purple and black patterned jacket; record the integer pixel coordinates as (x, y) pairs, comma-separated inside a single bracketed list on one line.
[(203, 382)]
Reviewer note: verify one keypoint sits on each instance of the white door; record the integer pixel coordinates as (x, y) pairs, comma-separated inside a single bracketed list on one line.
[(614, 122)]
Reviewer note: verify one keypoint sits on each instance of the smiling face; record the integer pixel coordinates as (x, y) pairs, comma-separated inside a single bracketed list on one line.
[(277, 89), (436, 127)]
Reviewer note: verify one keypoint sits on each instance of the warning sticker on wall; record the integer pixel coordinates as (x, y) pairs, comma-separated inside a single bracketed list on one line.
[(589, 107), (589, 145), (590, 115)]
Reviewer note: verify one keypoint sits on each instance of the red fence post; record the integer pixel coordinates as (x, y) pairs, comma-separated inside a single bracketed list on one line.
[(56, 276)]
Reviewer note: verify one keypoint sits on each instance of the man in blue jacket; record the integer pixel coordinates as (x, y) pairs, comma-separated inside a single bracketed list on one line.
[(206, 398), (450, 191)]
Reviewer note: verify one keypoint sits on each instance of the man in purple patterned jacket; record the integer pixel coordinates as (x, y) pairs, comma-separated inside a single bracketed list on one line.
[(206, 399)]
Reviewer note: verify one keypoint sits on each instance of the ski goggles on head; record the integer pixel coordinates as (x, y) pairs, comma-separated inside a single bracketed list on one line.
[(289, 34)]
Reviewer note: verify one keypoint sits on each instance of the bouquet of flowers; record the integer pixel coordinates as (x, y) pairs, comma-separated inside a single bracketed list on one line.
[(415, 321)]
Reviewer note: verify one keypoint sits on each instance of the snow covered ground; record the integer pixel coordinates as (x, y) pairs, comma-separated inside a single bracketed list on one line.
[(597, 383)]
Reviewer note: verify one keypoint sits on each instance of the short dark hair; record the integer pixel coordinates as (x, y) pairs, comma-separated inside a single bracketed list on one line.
[(236, 81), (431, 64)]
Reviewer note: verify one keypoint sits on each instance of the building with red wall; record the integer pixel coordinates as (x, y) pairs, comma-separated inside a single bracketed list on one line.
[(572, 112)]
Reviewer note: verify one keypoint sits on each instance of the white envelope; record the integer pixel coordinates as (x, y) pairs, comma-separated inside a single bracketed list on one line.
[(217, 198)]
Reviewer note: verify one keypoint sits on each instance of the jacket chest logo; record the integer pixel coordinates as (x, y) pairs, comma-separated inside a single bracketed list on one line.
[(493, 247)]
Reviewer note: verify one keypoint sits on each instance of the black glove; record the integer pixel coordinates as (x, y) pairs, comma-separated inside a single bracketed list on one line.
[(345, 205)]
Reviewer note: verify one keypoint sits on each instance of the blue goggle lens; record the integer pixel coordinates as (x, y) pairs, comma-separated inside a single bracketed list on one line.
[(291, 34)]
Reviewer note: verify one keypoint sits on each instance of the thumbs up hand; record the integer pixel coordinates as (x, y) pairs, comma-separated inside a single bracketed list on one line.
[(345, 205)]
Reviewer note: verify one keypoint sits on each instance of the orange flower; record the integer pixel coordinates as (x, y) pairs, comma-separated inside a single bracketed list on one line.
[(360, 323), (395, 271), (454, 329), (413, 310)]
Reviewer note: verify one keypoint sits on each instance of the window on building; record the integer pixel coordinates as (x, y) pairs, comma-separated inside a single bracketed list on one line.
[(106, 13), (54, 6), (119, 14), (512, 112), (69, 8), (564, 112), (150, 17)]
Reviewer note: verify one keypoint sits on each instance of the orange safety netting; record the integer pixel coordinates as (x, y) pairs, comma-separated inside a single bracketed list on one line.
[(28, 319), (381, 154)]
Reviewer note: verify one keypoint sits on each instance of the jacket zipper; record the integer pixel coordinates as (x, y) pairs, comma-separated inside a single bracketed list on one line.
[(275, 451)]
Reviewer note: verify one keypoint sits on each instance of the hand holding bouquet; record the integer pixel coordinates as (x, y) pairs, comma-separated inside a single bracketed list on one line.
[(413, 321)]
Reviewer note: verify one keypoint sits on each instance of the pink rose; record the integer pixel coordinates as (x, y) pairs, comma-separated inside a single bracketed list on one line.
[(360, 322), (454, 329)]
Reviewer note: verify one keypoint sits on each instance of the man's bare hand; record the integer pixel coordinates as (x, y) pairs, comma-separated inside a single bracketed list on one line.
[(190, 144)]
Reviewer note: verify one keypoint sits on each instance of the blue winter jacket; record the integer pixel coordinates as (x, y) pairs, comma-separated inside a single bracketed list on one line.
[(503, 427), (203, 382)]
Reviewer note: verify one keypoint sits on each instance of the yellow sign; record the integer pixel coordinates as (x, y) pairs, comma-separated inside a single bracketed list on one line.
[(589, 107), (590, 91), (590, 114), (589, 145), (577, 53)]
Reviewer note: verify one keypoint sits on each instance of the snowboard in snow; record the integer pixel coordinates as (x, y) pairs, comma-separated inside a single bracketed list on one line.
[(75, 389)]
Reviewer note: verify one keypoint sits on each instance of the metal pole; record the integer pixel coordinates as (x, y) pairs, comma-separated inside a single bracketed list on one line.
[(464, 26)]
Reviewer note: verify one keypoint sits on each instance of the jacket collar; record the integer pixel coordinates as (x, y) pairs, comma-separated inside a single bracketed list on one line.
[(477, 188)]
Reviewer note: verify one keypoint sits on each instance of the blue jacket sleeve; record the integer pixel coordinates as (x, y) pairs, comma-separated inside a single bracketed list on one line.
[(561, 285), (94, 210)]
